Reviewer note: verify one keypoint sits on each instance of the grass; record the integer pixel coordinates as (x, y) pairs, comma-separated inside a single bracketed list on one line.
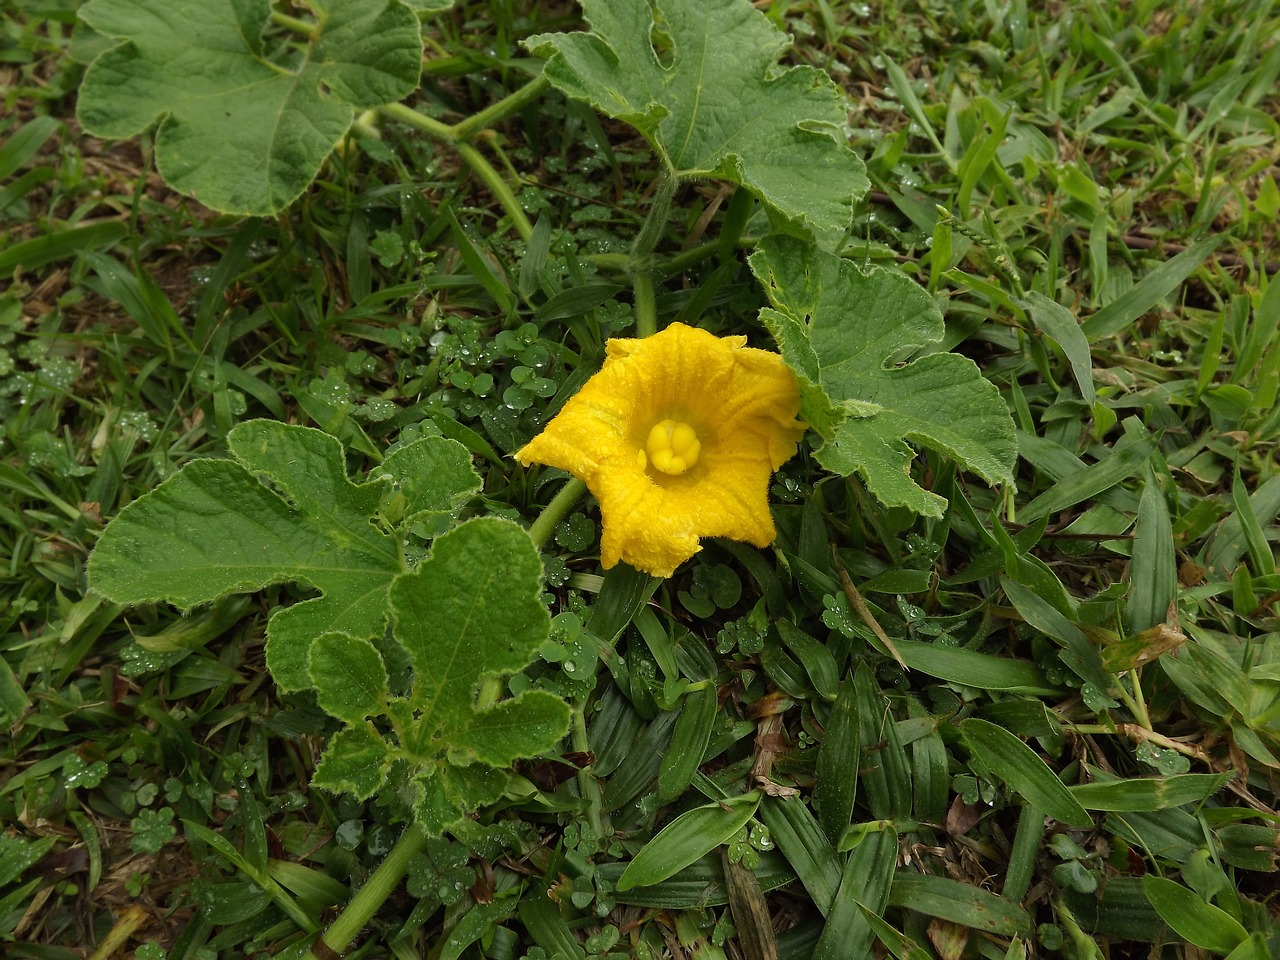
[(1116, 165)]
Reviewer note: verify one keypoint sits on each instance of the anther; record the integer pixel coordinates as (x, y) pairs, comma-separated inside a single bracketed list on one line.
[(673, 447)]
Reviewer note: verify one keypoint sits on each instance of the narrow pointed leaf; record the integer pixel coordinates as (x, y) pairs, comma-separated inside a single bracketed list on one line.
[(1008, 758), (1149, 793), (960, 903), (1191, 918), (686, 838), (800, 839), (864, 886)]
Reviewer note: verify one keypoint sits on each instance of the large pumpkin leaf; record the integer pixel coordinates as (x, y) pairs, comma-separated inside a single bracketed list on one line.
[(243, 128), (470, 611), (216, 528), (845, 332), (712, 102)]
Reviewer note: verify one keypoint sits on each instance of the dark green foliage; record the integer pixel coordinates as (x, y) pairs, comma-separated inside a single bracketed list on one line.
[(1061, 697)]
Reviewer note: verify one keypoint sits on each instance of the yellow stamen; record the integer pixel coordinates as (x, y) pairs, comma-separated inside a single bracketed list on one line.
[(672, 447)]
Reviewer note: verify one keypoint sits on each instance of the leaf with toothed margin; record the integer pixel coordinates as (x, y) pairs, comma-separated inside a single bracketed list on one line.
[(713, 102), (282, 510), (244, 124), (847, 334), (469, 614)]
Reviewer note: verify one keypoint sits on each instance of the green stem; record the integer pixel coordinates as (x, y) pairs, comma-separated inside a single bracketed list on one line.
[(642, 265), (555, 511), (646, 303), (293, 23), (1139, 701), (497, 112), (503, 193), (651, 232), (374, 893), (406, 114), (687, 258)]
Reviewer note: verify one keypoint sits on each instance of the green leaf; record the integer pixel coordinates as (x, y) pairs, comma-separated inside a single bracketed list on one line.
[(686, 838), (712, 101), (1057, 322), (845, 331), (436, 478), (243, 129), (865, 884), (472, 610), (1149, 793), (355, 761), (216, 528), (688, 743), (13, 698), (959, 902), (800, 839), (835, 791), (1153, 573), (18, 853), (974, 669), (446, 794), (1191, 918), (349, 677), (1126, 458), (1153, 288), (1008, 758)]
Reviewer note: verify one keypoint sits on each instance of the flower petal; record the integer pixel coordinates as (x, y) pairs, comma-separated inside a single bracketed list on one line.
[(741, 402)]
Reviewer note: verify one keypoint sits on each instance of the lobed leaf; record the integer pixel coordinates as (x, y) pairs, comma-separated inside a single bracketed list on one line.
[(467, 615), (844, 332), (243, 129), (720, 107), (435, 478), (473, 610), (217, 528)]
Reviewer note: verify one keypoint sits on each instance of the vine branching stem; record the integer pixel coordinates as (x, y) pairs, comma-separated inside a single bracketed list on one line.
[(497, 112), (295, 24), (460, 135)]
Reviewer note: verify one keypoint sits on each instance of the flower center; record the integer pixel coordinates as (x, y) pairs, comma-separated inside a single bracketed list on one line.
[(672, 447)]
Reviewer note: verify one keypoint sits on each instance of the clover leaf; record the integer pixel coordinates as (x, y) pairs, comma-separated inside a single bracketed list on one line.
[(469, 613), (282, 511), (846, 333), (714, 104), (243, 128)]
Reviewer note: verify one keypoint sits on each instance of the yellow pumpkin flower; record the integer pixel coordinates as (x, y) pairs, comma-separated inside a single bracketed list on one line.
[(676, 437)]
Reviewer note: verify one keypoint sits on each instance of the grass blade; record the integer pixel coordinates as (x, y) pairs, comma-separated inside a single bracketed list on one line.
[(1153, 288), (1022, 769)]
